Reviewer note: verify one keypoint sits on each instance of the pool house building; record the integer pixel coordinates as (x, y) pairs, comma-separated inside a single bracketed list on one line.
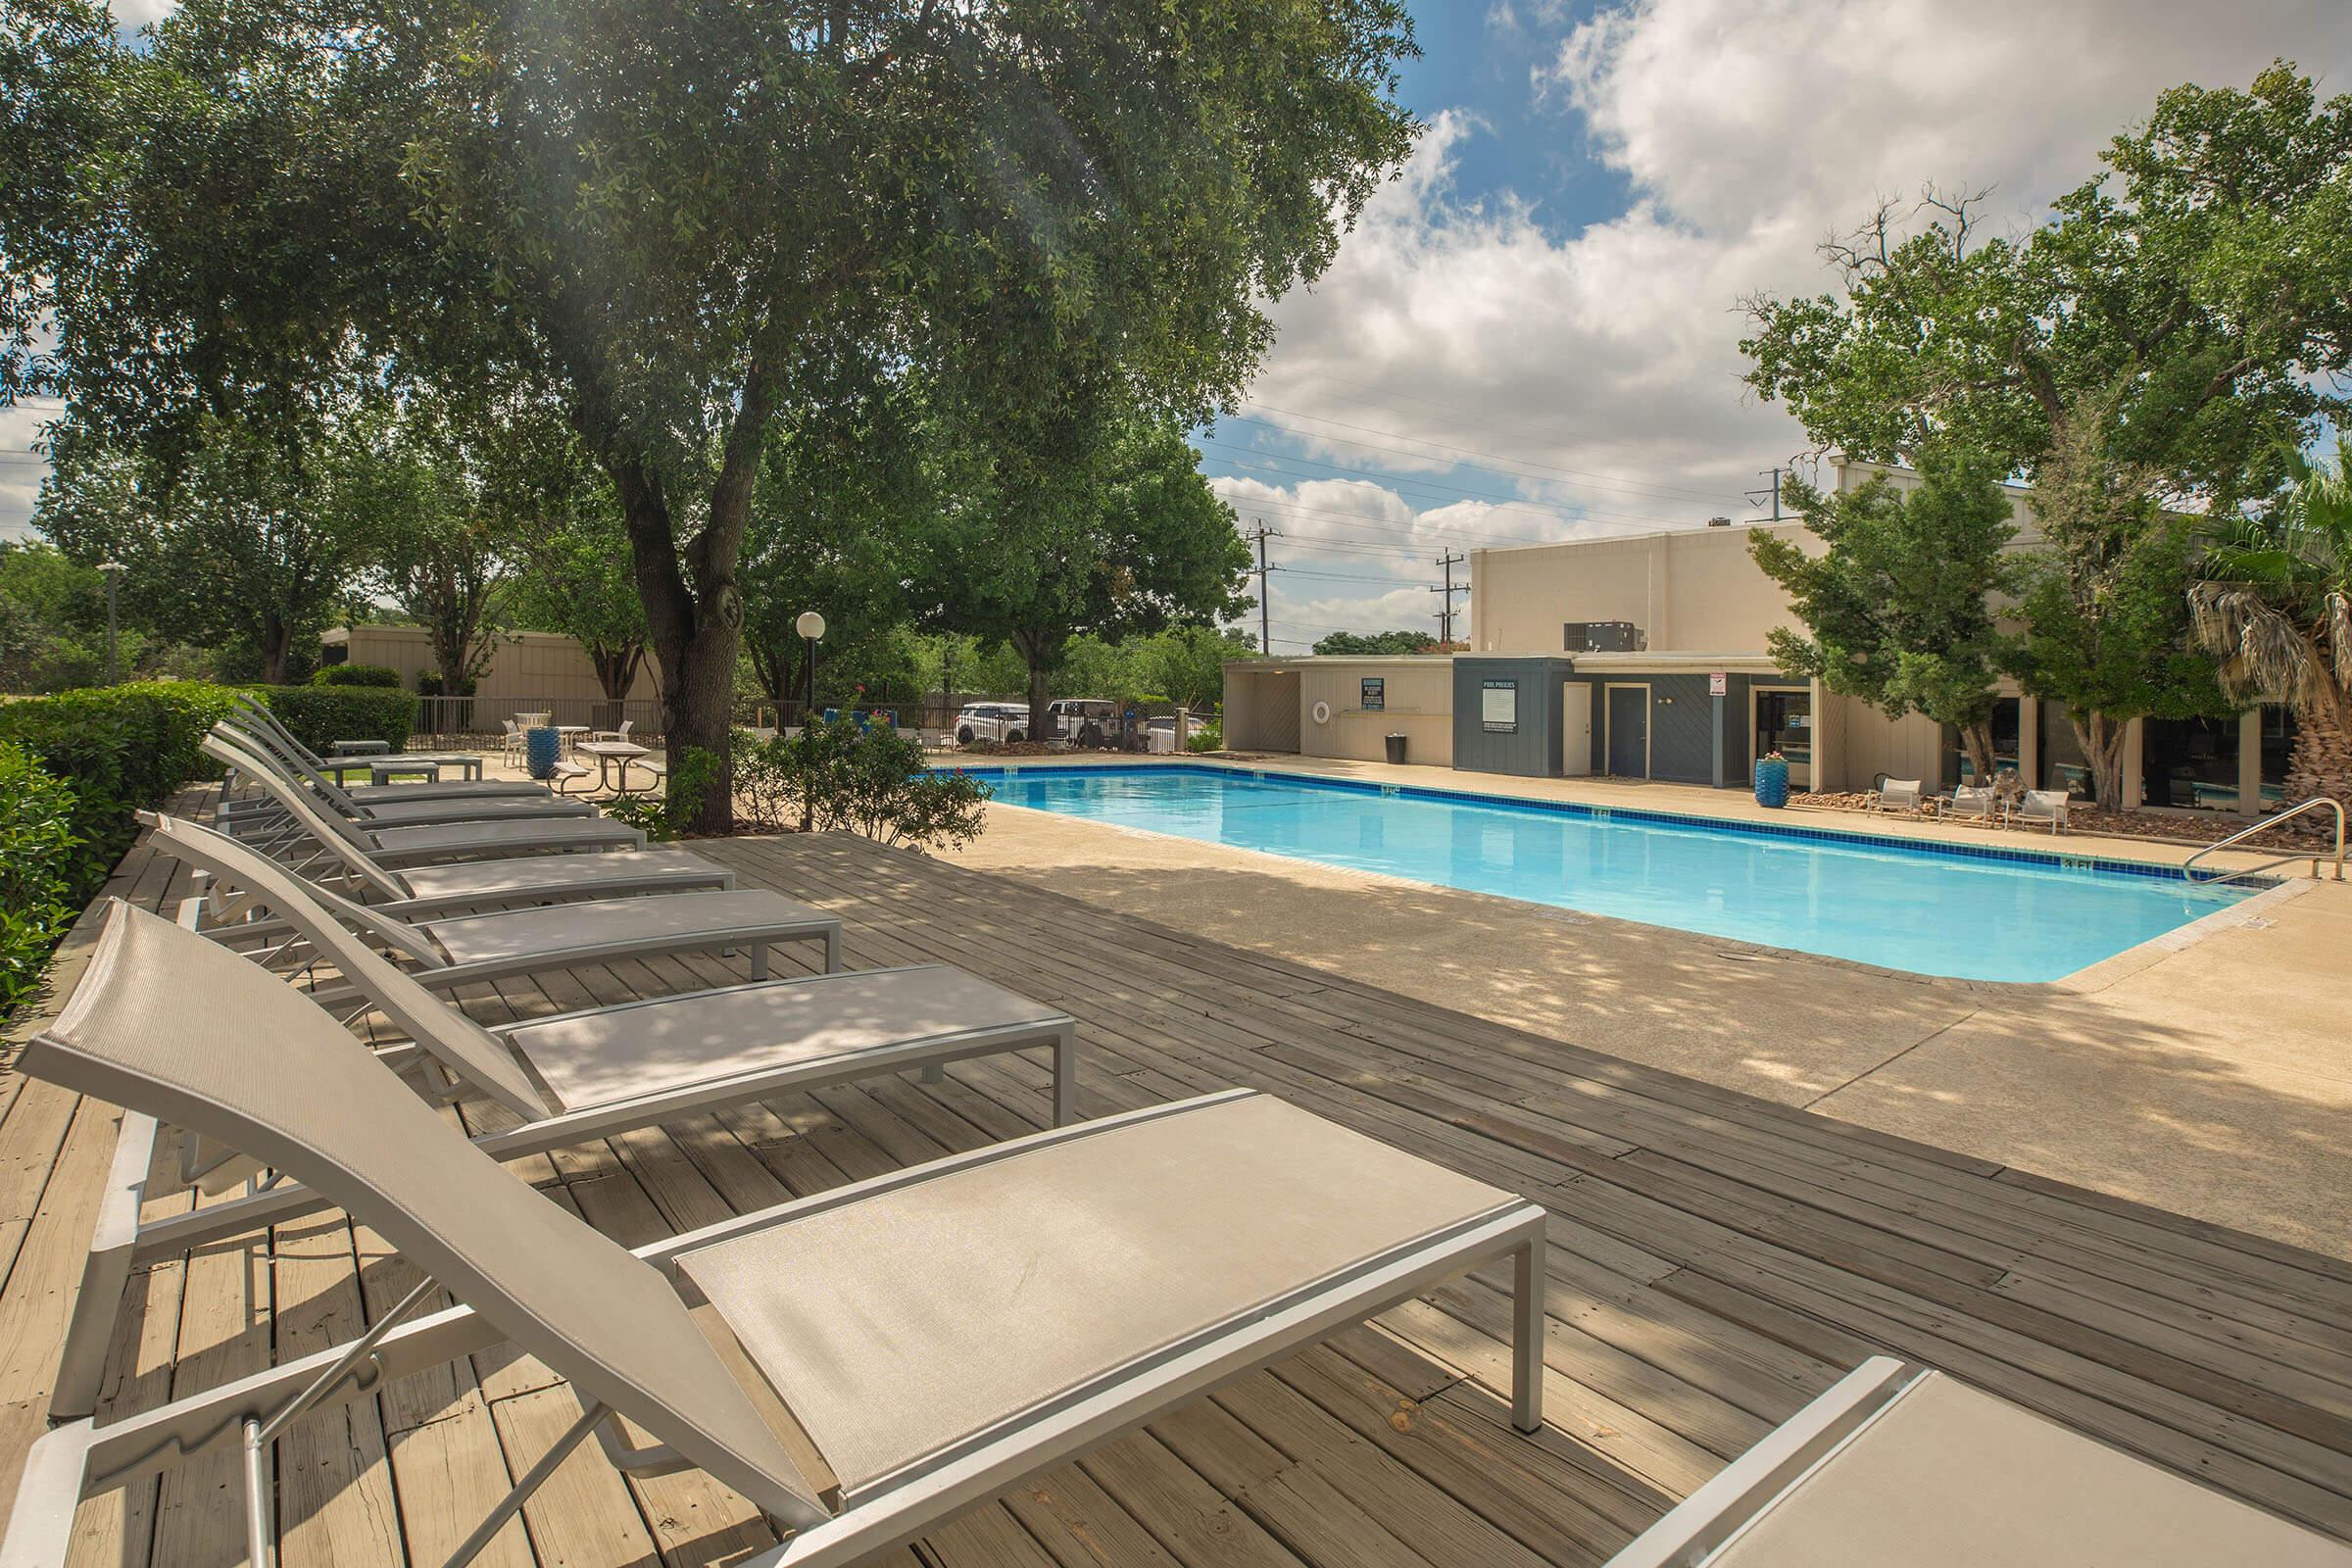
[(1644, 657)]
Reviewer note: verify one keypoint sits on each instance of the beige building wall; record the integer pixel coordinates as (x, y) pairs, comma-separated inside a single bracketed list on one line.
[(527, 665), (1688, 591), (1419, 705), (1261, 707)]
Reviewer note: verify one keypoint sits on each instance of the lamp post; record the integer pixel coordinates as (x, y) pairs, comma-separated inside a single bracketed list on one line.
[(113, 571), (812, 626)]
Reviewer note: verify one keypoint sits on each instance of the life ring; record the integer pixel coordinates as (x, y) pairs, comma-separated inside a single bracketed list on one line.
[(1322, 711)]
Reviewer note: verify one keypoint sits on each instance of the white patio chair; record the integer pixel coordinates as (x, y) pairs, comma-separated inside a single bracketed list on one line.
[(1895, 795), (937, 1334), (399, 805), (1977, 805), (2042, 806), (258, 729), (620, 734)]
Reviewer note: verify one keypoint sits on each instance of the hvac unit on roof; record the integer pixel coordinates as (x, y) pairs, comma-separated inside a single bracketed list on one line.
[(1602, 637)]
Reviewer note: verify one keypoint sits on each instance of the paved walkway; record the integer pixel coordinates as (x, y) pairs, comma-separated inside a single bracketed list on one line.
[(2214, 1080)]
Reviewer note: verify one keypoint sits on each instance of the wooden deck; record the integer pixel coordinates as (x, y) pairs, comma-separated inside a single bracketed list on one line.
[(1716, 1261)]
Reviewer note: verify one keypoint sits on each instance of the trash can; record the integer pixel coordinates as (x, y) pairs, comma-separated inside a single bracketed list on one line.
[(540, 748), (1395, 747)]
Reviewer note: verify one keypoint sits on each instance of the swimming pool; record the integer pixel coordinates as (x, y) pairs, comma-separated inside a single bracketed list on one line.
[(1979, 913)]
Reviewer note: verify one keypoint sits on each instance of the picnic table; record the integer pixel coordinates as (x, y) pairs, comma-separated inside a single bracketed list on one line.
[(609, 753)]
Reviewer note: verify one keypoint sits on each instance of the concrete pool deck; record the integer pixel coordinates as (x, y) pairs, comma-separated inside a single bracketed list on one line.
[(2213, 1078)]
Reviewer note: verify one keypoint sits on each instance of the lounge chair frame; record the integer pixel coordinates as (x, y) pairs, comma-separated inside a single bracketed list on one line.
[(123, 1243), (1699, 1527), (80, 1459)]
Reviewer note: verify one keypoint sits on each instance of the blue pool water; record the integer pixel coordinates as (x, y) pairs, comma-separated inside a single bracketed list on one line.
[(1989, 914)]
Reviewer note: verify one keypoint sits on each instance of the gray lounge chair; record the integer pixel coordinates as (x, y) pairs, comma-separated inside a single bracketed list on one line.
[(452, 951), (571, 1078), (936, 1334), (420, 891), (2042, 806), (1895, 795), (1896, 1464), (256, 721), (295, 815), (1982, 804), (398, 808)]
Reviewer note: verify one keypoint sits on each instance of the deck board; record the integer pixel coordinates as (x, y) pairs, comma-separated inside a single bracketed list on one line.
[(1716, 1261)]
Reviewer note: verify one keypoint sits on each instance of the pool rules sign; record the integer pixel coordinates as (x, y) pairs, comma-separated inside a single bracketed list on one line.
[(1717, 683)]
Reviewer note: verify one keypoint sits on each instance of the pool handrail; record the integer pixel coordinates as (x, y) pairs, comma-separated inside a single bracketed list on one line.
[(2189, 867)]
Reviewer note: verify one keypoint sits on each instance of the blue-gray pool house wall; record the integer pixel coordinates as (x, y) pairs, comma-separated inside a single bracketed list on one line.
[(1533, 748)]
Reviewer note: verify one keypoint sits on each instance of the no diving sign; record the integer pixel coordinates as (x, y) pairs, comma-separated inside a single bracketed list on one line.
[(1717, 683)]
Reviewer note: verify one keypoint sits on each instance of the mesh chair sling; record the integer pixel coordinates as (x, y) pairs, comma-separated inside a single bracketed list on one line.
[(933, 1336)]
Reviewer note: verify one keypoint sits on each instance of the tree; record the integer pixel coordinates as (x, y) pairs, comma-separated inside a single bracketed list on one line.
[(419, 496), (2273, 600), (1898, 608), (668, 213), (2150, 351), (1122, 537), (1379, 643), (2106, 628), (241, 541), (574, 574)]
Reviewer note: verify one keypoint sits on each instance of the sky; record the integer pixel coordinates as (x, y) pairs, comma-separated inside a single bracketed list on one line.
[(1532, 333)]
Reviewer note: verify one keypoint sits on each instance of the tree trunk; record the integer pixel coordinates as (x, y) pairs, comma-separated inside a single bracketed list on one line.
[(1976, 741), (276, 649), (615, 667), (2321, 763), (694, 631), (2101, 737), (1039, 693)]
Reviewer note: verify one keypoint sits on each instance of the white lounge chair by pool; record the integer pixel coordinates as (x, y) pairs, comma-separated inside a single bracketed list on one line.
[(405, 805), (936, 1334), (1899, 1465), (1980, 805), (2042, 806), (571, 1078), (1895, 795), (291, 813)]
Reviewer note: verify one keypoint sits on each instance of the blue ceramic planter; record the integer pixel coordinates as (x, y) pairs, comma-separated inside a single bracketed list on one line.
[(1772, 781), (541, 748)]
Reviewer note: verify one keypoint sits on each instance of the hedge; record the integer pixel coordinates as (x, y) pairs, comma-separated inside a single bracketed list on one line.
[(121, 749), (37, 865), (356, 675)]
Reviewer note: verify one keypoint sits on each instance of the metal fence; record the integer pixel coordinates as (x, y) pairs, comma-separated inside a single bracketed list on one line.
[(449, 720)]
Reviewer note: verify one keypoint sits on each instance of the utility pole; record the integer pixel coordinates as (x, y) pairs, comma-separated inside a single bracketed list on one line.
[(1756, 497), (1448, 562), (1265, 640)]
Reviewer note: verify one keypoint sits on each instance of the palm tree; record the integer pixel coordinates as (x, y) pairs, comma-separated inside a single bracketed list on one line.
[(2273, 602)]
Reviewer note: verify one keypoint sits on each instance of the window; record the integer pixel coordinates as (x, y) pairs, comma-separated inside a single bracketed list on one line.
[(2190, 762), (1375, 692), (1956, 766), (2278, 750), (1498, 707)]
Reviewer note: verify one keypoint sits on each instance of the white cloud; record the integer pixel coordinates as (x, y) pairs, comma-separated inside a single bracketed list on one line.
[(1747, 129), (21, 475)]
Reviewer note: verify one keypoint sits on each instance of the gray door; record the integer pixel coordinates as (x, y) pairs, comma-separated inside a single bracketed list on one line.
[(1629, 731)]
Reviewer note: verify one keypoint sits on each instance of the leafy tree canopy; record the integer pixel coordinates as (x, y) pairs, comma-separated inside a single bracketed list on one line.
[(2195, 301), (1898, 608), (668, 212), (1377, 643)]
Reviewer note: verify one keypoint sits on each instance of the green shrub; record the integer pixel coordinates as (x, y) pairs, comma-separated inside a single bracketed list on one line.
[(37, 872), (321, 715), (123, 749), (868, 781), (117, 749), (1210, 737), (664, 816), (356, 675)]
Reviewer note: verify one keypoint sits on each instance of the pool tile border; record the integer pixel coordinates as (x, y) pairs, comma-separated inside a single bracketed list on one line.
[(2042, 860)]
